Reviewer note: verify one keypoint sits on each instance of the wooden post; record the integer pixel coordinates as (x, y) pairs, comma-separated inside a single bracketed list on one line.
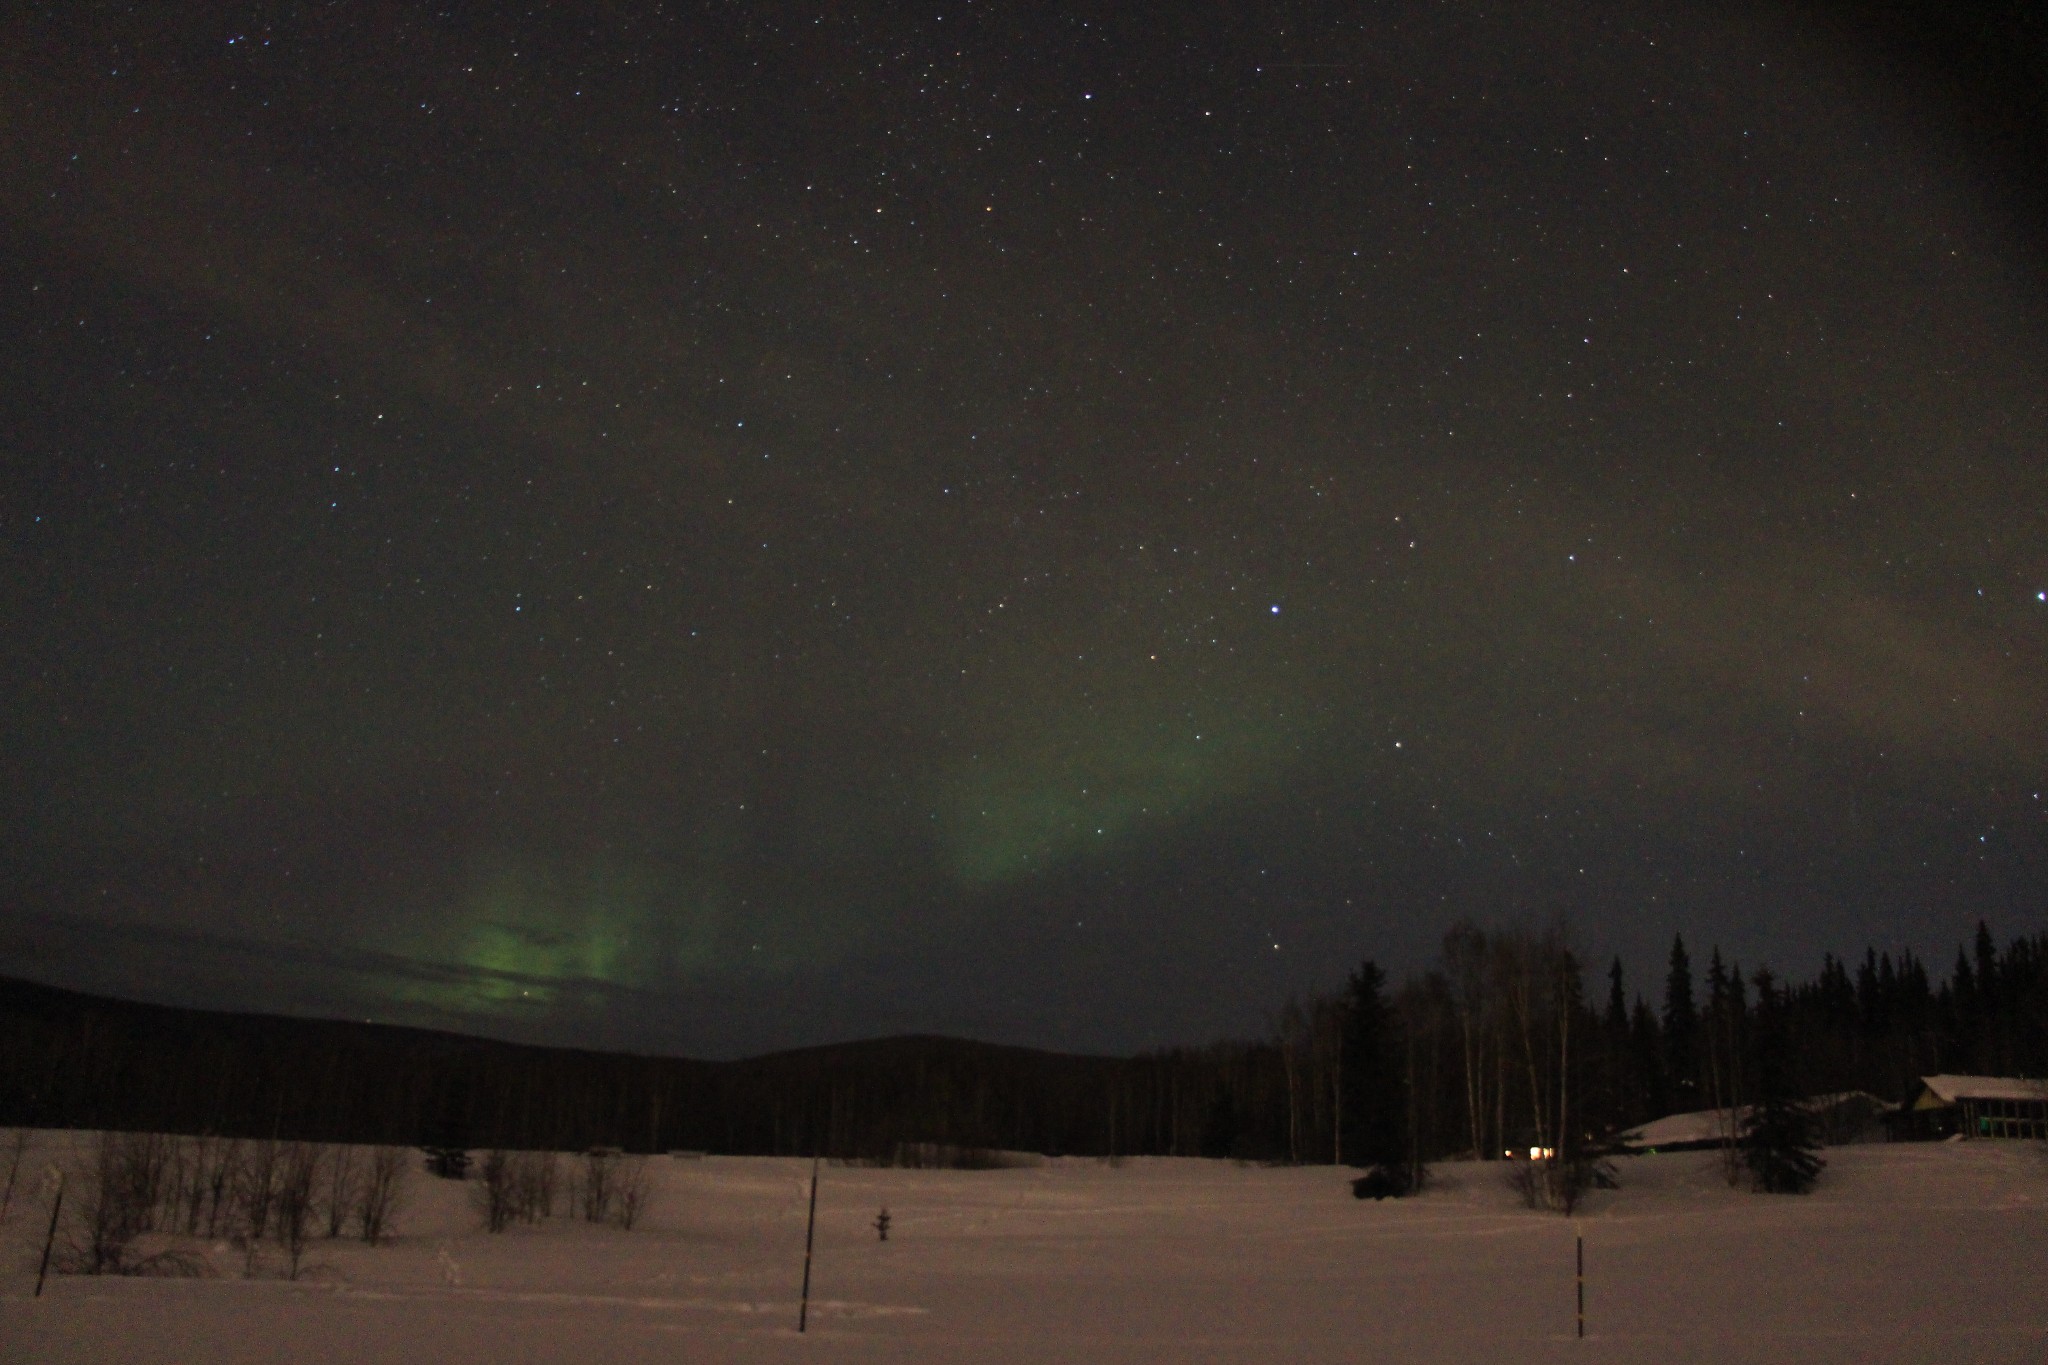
[(803, 1311), (50, 1237), (1581, 1238)]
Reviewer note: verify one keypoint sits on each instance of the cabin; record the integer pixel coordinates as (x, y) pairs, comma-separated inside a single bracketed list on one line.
[(1972, 1107)]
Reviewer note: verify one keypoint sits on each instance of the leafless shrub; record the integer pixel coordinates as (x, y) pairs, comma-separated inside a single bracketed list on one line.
[(596, 1190), (206, 1186), (340, 1188), (108, 1219), (134, 1185), (214, 1176), (1525, 1178), (494, 1192), (538, 1176), (188, 1188), (298, 1170), (18, 1143), (120, 1196), (611, 1187), (629, 1191), (379, 1192), (177, 1168), (521, 1187), (255, 1191), (82, 1257), (141, 1164), (1559, 1185)]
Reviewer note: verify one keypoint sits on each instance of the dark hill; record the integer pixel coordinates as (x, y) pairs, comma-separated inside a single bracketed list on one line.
[(83, 1061)]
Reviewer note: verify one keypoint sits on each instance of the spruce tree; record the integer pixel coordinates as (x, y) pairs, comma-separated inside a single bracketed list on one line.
[(1375, 1099), (1623, 1086), (1681, 1031), (1646, 1042), (1779, 1144), (1987, 959)]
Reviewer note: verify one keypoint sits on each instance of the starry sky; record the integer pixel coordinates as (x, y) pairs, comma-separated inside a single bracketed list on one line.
[(713, 528)]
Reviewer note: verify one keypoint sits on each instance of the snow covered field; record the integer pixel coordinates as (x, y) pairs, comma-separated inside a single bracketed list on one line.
[(1906, 1253)]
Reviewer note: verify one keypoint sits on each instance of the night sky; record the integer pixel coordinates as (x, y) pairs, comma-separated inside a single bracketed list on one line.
[(710, 529)]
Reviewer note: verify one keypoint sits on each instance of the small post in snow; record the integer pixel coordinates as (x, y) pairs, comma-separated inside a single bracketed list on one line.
[(1580, 1237), (803, 1311), (50, 1237)]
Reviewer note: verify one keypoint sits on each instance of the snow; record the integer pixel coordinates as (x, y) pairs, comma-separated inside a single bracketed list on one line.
[(1703, 1125), (1905, 1253), (1717, 1125), (1949, 1089)]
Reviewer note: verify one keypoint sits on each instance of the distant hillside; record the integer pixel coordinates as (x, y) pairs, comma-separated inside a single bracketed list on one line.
[(74, 1060)]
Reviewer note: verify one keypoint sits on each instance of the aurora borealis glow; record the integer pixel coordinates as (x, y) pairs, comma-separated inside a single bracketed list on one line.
[(708, 528)]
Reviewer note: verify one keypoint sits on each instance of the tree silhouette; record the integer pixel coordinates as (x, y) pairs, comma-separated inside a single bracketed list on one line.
[(1681, 1029), (1778, 1141), (1375, 1085)]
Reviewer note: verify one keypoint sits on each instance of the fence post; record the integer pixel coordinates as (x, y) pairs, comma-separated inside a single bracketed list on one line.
[(1581, 1239), (803, 1311), (50, 1237)]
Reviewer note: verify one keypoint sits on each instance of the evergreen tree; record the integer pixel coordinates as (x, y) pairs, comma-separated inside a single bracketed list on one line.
[(1222, 1130), (1646, 1044), (1987, 959), (1681, 1031), (1375, 1096), (1732, 1040), (1716, 1030), (1623, 1089), (1869, 1008), (1779, 1144), (1964, 986), (1991, 1056)]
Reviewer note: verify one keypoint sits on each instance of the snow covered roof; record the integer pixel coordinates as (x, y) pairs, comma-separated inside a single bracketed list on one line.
[(1706, 1125), (1949, 1089), (1712, 1126)]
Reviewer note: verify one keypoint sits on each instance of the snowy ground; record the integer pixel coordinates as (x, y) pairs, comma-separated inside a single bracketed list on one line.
[(1921, 1253)]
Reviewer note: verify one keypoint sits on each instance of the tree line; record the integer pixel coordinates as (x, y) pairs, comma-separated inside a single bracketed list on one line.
[(1497, 1046), (1496, 1049)]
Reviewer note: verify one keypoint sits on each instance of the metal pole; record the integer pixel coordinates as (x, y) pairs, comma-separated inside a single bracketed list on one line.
[(803, 1311), (1582, 1285), (50, 1237)]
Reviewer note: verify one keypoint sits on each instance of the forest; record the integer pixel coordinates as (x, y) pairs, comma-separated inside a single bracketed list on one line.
[(1497, 1045)]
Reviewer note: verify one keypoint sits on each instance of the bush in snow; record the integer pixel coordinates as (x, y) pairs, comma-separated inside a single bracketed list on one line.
[(340, 1188), (629, 1191), (494, 1192), (538, 1177), (378, 1192), (594, 1187), (120, 1195), (612, 1187), (298, 1171)]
